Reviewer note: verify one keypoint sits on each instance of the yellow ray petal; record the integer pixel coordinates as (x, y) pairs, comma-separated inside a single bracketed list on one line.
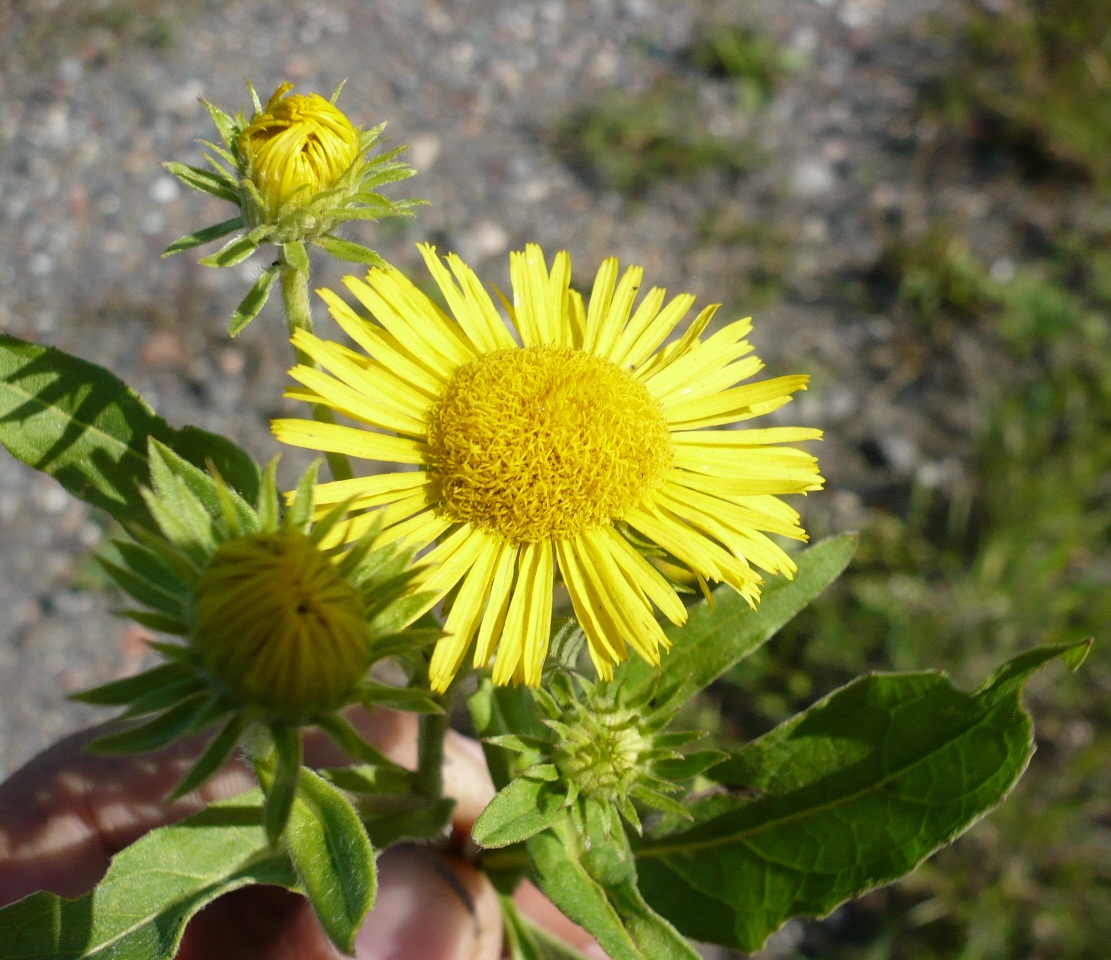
[(731, 406), (696, 551), (576, 321), (638, 323), (644, 576), (466, 611), (728, 524), (759, 470), (471, 304), (449, 561), (662, 359), (616, 317), (604, 637), (764, 511), (418, 531), (746, 437), (494, 619), (337, 438), (369, 377), (368, 491), (655, 331), (714, 359), (330, 392), (524, 642), (534, 306), (416, 322), (627, 606), (383, 346), (601, 295), (559, 285)]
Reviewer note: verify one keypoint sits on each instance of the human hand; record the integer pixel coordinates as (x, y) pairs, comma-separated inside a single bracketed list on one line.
[(64, 815)]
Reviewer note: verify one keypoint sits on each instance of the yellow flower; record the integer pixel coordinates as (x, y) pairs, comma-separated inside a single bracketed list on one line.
[(297, 147), (278, 625), (556, 445)]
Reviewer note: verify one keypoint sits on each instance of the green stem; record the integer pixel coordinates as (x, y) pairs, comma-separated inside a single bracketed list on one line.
[(428, 781), (298, 313)]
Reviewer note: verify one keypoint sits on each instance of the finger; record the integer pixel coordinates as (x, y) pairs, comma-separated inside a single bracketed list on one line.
[(431, 907), (67, 812), (428, 908)]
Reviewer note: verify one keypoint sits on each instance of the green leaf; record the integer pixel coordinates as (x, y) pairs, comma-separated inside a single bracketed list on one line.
[(717, 636), (193, 494), (210, 451), (233, 252), (852, 793), (349, 250), (143, 590), (393, 818), (683, 768), (207, 235), (526, 940), (78, 423), (251, 305), (86, 428), (204, 180), (333, 858), (374, 693), (120, 692), (152, 889), (615, 914), (345, 734), (225, 124), (519, 811)]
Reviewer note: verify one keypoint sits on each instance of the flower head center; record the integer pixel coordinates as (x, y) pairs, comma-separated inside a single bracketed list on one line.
[(278, 625), (545, 442)]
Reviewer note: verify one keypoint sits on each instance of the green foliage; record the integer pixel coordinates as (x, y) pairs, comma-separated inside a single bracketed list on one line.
[(89, 430), (1016, 556), (631, 141), (331, 853), (720, 634), (753, 60), (854, 792), (1037, 80), (597, 889), (152, 889)]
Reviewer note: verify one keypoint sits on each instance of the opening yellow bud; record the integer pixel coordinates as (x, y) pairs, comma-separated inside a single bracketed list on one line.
[(299, 146), (278, 626)]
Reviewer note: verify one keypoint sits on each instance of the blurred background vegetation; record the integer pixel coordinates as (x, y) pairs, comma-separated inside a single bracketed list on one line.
[(1016, 553)]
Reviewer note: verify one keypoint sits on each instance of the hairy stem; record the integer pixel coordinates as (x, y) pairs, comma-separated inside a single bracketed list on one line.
[(429, 778)]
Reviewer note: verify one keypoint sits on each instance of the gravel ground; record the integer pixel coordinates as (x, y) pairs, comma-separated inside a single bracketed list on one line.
[(94, 103)]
